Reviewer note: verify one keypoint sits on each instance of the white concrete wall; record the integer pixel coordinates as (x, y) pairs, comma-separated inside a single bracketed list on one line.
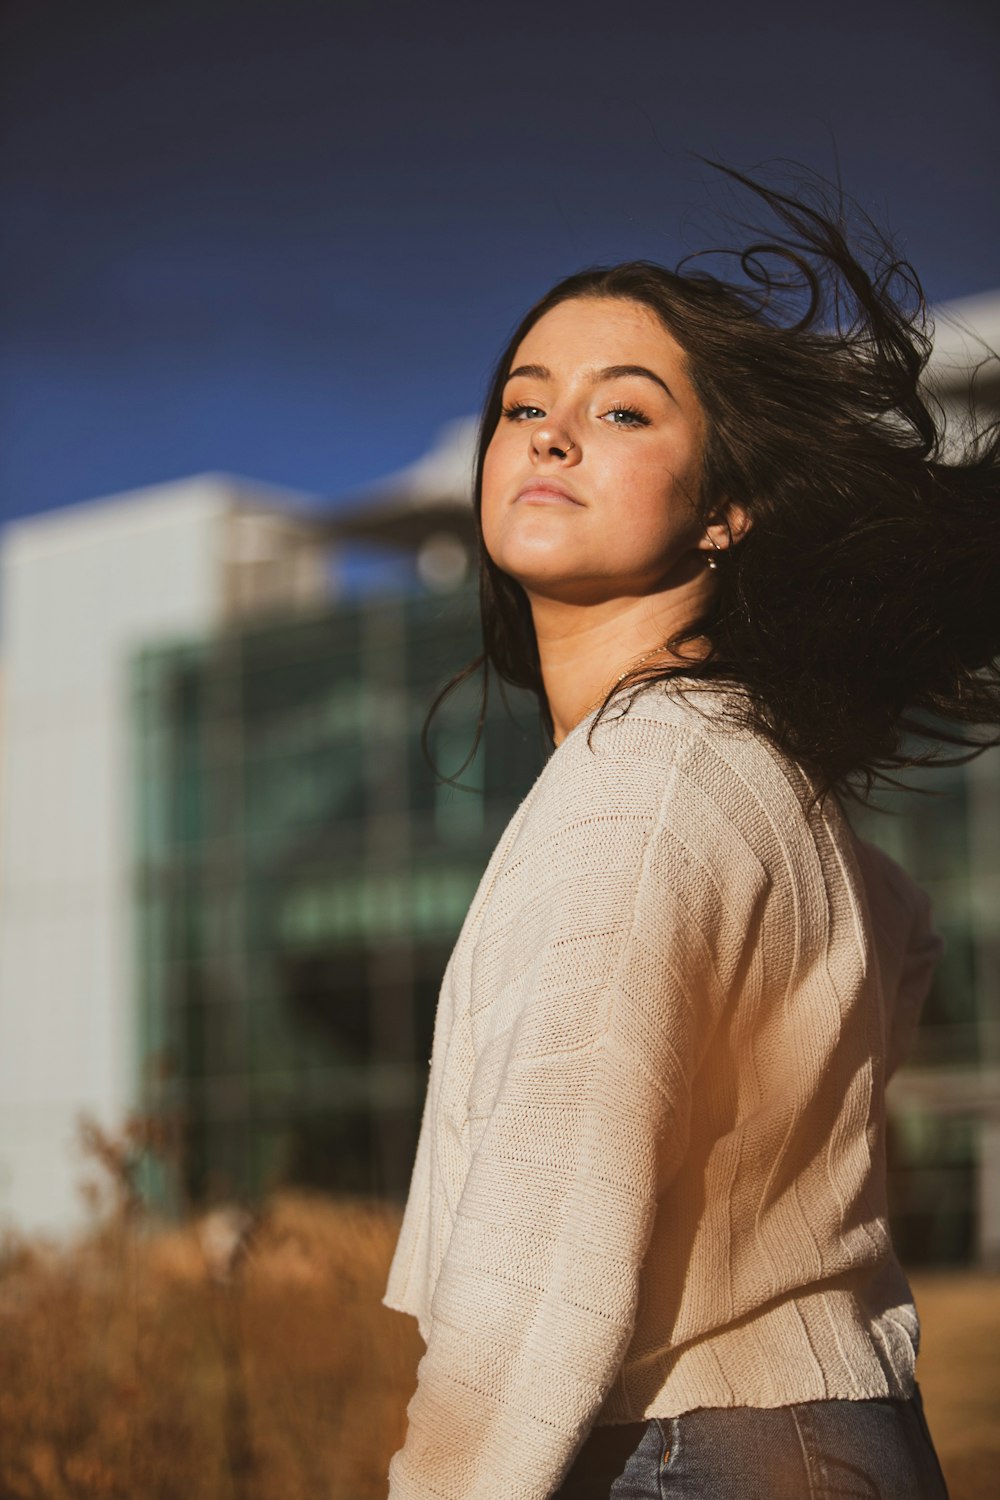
[(79, 590)]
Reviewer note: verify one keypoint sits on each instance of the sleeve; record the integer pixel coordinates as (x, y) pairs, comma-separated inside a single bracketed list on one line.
[(907, 944), (606, 989)]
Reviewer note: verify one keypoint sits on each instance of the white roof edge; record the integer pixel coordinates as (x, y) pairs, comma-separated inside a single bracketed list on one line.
[(966, 331), (443, 472), (207, 493)]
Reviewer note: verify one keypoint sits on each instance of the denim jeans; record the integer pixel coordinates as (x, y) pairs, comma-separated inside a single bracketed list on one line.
[(816, 1450)]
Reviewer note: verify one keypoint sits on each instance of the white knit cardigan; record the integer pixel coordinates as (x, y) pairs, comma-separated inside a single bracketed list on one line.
[(650, 1174)]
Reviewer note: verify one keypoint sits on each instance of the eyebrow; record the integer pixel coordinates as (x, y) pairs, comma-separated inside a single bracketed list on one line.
[(610, 372)]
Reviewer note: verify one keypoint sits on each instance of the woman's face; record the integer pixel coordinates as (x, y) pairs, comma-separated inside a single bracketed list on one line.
[(598, 406)]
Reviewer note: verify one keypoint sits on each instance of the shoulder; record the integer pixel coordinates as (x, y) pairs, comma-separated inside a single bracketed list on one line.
[(694, 747), (680, 769), (617, 769), (650, 829)]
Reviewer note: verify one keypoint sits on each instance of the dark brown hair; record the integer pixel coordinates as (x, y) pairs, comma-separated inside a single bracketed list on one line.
[(862, 606)]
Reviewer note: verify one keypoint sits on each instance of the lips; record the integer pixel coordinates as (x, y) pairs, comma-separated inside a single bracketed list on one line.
[(547, 489)]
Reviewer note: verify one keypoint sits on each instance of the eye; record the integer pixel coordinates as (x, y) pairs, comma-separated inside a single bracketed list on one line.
[(511, 412), (632, 416), (635, 417)]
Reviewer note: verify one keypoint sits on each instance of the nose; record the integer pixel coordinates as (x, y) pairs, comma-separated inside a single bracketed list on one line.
[(550, 439)]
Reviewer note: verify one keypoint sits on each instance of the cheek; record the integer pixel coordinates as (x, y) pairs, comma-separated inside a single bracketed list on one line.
[(655, 513), (649, 492), (502, 461), (491, 510), (492, 487), (489, 466)]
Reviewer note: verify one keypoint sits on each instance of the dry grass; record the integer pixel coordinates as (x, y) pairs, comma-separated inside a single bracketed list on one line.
[(251, 1358), (155, 1365), (959, 1374)]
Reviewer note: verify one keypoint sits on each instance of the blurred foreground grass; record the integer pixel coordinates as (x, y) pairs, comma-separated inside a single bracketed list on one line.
[(252, 1359)]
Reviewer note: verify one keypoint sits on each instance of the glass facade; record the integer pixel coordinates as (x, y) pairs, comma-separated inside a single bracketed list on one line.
[(301, 876), (944, 1152)]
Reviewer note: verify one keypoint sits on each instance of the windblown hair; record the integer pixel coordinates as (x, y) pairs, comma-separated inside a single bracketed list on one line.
[(862, 606)]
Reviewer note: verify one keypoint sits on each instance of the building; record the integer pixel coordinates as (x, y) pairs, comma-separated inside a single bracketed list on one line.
[(301, 878), (80, 589), (945, 1117), (230, 881)]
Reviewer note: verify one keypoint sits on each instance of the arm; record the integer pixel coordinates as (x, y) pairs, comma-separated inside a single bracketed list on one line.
[(614, 979), (907, 945)]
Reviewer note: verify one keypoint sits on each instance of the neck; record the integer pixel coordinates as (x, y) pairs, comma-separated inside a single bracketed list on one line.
[(584, 649)]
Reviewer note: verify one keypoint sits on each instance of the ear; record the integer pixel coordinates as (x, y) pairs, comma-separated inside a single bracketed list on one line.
[(726, 528)]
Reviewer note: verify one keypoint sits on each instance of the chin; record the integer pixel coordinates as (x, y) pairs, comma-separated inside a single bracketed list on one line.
[(540, 577), (539, 558)]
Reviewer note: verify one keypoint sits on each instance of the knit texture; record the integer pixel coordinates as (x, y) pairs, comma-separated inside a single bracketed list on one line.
[(650, 1173)]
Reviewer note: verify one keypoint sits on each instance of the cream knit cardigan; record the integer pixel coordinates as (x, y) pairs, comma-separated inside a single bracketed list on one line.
[(650, 1173)]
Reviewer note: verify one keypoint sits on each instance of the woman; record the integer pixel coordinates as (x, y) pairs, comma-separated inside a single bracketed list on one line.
[(646, 1240)]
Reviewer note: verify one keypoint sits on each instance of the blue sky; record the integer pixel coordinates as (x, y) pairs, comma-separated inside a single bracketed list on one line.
[(287, 240)]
